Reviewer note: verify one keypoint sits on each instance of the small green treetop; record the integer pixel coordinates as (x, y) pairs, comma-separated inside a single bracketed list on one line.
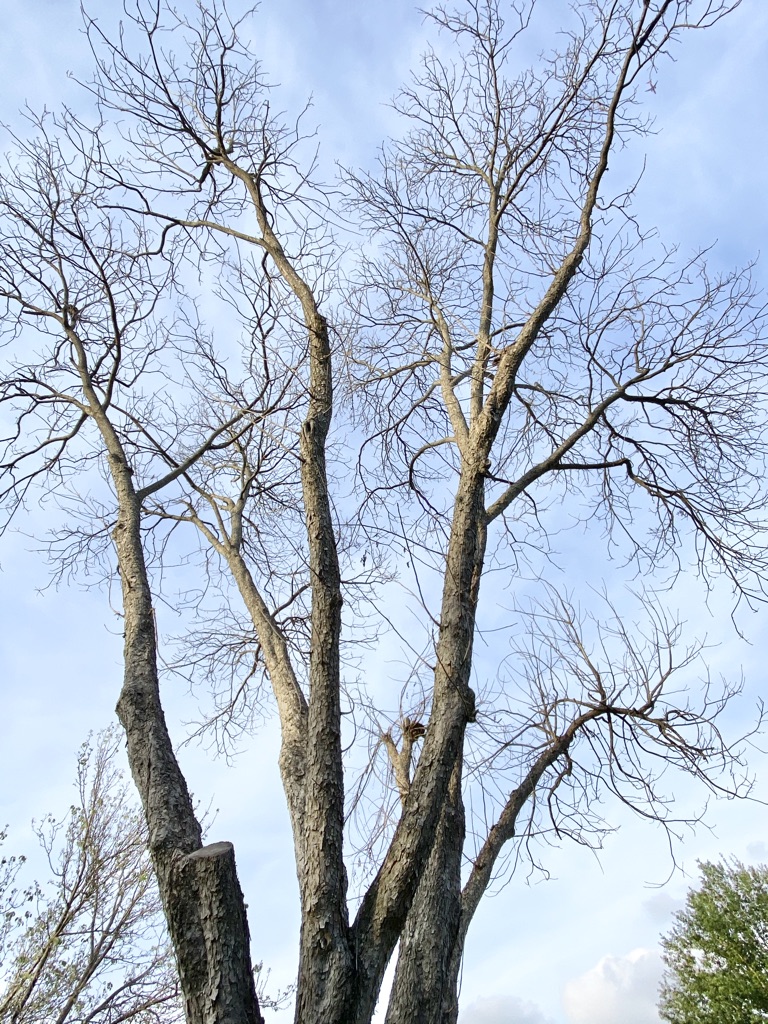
[(716, 954)]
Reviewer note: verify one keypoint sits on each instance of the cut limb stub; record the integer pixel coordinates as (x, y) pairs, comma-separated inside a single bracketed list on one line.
[(413, 730), (216, 978), (401, 759), (212, 850)]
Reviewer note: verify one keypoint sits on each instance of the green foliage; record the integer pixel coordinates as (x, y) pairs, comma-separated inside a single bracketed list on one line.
[(717, 951)]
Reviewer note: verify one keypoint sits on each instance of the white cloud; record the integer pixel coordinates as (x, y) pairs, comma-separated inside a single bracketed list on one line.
[(618, 988), (502, 1010)]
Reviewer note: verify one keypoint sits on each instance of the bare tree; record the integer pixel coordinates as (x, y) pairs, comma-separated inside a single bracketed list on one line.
[(92, 944), (509, 341)]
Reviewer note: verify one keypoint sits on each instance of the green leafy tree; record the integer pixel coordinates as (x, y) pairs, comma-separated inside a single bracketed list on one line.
[(717, 952)]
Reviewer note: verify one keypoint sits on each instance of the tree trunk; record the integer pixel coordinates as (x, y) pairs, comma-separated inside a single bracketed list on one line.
[(201, 895), (326, 970), (421, 992), (205, 906)]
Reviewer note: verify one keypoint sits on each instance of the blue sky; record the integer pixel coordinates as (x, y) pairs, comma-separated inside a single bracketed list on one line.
[(580, 948)]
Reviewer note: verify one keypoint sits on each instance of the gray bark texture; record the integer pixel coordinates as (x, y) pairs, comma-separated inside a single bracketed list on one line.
[(422, 991), (206, 906)]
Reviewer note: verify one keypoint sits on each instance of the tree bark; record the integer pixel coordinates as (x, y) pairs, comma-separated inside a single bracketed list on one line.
[(326, 980), (326, 971), (421, 991), (207, 915), (201, 895), (291, 702), (386, 904)]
